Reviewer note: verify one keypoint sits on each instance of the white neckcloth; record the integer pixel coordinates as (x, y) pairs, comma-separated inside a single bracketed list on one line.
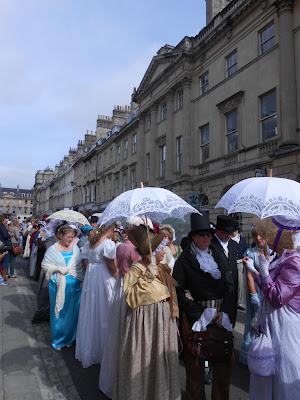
[(207, 263)]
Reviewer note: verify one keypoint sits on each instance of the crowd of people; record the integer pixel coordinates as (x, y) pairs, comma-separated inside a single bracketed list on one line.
[(134, 301)]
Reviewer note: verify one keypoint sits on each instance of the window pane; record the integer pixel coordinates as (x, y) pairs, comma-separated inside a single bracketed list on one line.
[(268, 104), (269, 128), (267, 33), (267, 38), (205, 134), (205, 152), (232, 121), (232, 142), (231, 63), (204, 83)]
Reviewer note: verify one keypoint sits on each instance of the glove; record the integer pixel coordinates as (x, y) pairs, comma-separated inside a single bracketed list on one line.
[(248, 262), (263, 266)]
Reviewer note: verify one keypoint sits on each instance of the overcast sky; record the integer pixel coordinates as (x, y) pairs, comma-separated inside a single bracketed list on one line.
[(63, 62)]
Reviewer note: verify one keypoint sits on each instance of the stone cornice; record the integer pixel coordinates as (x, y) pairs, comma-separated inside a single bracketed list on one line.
[(231, 102)]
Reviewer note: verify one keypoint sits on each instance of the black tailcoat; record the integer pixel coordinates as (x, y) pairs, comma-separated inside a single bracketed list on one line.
[(202, 286)]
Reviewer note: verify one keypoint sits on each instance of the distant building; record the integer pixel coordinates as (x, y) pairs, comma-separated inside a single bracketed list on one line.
[(16, 202)]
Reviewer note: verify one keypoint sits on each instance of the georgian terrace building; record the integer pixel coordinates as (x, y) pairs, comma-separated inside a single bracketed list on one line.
[(216, 108), (16, 202)]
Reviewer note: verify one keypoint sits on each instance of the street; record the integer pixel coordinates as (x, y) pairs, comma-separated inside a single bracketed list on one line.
[(31, 370)]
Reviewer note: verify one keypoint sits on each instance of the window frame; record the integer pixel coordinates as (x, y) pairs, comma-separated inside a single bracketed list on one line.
[(147, 167), (204, 145), (234, 132), (134, 144), (162, 160), (233, 65), (148, 121), (179, 153), (204, 87), (118, 153), (163, 111), (179, 99), (133, 181), (261, 44), (124, 181), (269, 116), (125, 149)]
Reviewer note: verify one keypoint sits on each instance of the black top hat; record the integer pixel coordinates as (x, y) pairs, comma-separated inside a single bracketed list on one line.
[(200, 223), (225, 223)]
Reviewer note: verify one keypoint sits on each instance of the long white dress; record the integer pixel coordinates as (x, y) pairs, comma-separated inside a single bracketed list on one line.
[(96, 298), (284, 324), (116, 329)]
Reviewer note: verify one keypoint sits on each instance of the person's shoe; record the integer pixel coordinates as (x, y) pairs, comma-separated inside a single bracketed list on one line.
[(3, 284), (13, 276), (240, 307), (57, 348)]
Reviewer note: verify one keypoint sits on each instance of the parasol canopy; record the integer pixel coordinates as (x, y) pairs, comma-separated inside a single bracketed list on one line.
[(264, 197), (156, 203), (70, 216)]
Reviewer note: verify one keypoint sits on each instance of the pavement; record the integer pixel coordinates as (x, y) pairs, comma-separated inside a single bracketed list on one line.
[(31, 370)]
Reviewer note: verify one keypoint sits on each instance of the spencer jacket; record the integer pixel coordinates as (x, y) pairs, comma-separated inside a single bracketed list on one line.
[(202, 286)]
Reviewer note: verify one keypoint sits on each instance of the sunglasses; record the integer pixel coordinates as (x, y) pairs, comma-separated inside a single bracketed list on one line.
[(202, 234)]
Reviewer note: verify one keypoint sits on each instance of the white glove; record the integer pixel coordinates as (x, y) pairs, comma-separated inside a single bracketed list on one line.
[(263, 266), (248, 262)]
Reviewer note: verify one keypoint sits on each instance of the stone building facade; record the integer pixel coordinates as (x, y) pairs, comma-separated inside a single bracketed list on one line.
[(212, 110), (16, 202)]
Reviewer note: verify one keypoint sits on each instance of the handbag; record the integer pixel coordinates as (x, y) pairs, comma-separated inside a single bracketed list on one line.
[(214, 344), (16, 249), (261, 355)]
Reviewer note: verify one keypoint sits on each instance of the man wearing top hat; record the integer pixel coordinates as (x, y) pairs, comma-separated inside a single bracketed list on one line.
[(226, 253), (205, 280)]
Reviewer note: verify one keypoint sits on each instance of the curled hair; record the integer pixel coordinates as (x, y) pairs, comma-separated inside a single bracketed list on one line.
[(62, 230), (95, 235)]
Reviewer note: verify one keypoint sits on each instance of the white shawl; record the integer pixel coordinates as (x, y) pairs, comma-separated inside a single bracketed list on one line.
[(54, 262)]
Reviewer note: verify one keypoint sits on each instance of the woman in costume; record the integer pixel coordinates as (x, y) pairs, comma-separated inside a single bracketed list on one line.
[(254, 295), (63, 266), (126, 255), (99, 282), (148, 367), (280, 284)]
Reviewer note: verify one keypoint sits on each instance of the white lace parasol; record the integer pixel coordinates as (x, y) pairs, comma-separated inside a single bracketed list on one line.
[(157, 203), (264, 197)]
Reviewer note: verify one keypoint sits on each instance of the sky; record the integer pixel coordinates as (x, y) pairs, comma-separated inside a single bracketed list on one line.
[(63, 62)]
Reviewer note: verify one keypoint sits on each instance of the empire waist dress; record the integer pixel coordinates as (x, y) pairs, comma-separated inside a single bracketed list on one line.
[(63, 328)]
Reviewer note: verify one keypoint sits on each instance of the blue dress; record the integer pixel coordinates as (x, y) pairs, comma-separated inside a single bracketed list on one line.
[(63, 328)]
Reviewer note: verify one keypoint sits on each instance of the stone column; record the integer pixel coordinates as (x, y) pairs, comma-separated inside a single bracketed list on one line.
[(287, 94)]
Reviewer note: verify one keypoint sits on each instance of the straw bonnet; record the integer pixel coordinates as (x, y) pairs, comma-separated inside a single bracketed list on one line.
[(139, 237), (269, 231)]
